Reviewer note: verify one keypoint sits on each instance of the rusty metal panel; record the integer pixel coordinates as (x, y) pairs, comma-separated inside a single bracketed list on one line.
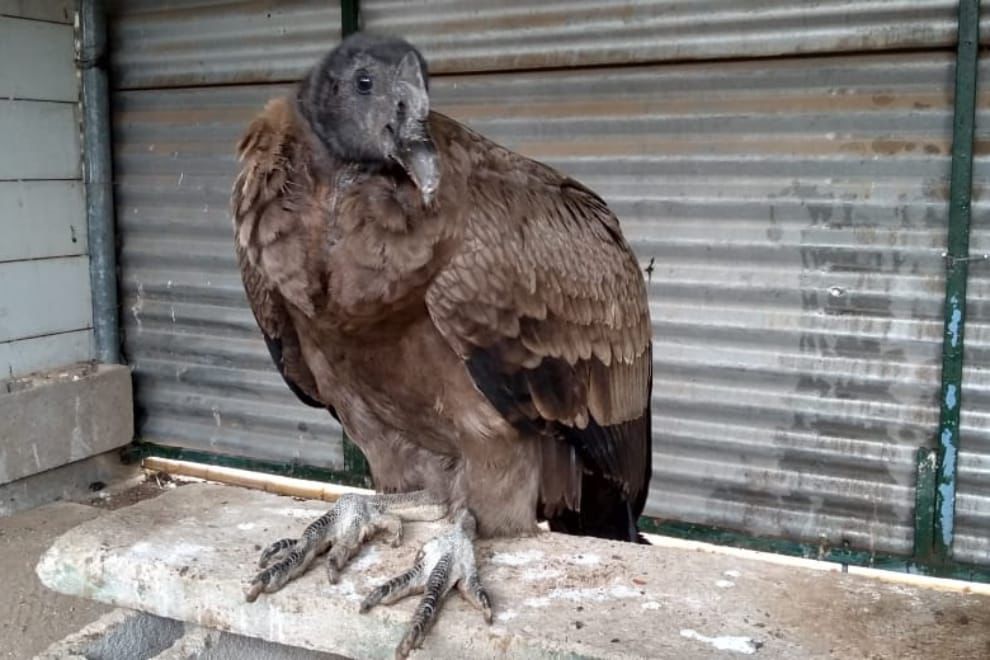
[(205, 42), (972, 541), (180, 43), (792, 215)]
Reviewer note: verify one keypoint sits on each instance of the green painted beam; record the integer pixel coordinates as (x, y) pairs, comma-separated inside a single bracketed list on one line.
[(957, 271)]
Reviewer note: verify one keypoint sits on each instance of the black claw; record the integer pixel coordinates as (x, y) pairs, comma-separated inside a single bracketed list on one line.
[(486, 605), (273, 550)]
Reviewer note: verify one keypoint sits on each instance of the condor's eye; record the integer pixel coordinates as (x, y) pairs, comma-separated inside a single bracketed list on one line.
[(363, 82)]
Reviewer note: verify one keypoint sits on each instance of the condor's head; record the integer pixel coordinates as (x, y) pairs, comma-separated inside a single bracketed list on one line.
[(368, 102)]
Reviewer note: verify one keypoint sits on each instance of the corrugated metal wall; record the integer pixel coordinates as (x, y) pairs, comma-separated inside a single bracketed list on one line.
[(794, 209)]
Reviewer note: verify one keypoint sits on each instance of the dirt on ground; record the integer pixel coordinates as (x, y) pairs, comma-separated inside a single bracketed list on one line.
[(154, 484), (31, 616)]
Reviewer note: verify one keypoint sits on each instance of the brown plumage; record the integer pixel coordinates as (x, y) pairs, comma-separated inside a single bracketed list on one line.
[(488, 341)]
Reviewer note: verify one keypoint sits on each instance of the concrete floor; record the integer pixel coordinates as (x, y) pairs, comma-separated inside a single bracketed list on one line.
[(32, 616), (188, 554)]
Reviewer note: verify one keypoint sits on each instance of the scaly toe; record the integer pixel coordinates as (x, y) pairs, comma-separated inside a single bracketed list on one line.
[(275, 552)]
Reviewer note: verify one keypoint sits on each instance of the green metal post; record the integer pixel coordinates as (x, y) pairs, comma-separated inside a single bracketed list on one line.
[(350, 12), (957, 269), (924, 504), (355, 464)]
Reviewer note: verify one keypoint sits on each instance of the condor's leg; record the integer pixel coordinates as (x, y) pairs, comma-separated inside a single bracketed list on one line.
[(341, 531)]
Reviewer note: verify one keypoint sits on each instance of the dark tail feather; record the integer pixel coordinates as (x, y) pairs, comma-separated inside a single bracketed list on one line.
[(605, 512)]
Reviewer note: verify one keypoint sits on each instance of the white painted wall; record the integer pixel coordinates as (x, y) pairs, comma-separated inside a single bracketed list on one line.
[(45, 309)]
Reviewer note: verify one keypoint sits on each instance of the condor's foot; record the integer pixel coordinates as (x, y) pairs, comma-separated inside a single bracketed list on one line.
[(340, 532), (443, 563)]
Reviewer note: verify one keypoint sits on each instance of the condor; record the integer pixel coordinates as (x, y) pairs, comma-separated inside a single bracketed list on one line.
[(474, 319)]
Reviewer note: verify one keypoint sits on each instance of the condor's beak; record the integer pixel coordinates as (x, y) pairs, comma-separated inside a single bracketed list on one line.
[(418, 156), (415, 150)]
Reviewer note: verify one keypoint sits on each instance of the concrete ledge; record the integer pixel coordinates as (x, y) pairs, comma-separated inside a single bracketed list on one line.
[(62, 417), (187, 555)]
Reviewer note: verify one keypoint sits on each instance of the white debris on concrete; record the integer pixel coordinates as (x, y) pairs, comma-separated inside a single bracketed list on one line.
[(723, 642)]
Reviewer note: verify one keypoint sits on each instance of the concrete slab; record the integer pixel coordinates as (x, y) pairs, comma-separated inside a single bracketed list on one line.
[(63, 416), (187, 555), (32, 617)]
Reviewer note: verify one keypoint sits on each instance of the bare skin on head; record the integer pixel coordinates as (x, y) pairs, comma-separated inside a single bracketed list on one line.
[(474, 319)]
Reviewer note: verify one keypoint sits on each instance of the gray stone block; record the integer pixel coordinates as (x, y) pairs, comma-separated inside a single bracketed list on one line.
[(60, 417)]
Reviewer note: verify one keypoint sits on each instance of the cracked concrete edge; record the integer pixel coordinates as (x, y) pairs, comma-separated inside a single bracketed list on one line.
[(68, 482), (133, 635)]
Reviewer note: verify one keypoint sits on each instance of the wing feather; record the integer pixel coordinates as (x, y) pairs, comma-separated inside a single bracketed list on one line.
[(265, 230)]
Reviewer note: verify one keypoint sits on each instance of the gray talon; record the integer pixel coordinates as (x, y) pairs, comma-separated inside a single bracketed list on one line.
[(341, 530), (444, 562), (275, 551)]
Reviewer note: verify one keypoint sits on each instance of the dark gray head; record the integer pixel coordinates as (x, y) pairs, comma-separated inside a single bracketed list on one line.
[(368, 102)]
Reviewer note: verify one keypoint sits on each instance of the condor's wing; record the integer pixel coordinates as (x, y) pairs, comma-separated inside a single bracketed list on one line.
[(268, 238), (547, 306)]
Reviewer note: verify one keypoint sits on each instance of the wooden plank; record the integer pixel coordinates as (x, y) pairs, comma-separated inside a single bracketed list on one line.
[(25, 356), (41, 219), (37, 61), (57, 11), (40, 140), (44, 297)]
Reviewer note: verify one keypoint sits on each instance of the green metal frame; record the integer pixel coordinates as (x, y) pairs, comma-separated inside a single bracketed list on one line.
[(936, 467), (957, 271)]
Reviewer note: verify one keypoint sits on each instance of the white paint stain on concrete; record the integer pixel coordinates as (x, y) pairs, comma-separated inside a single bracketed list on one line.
[(732, 574), (78, 447), (179, 552), (585, 595), (743, 645), (516, 558), (344, 588), (538, 574), (368, 558), (245, 526), (588, 559), (724, 584), (507, 615), (650, 605)]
